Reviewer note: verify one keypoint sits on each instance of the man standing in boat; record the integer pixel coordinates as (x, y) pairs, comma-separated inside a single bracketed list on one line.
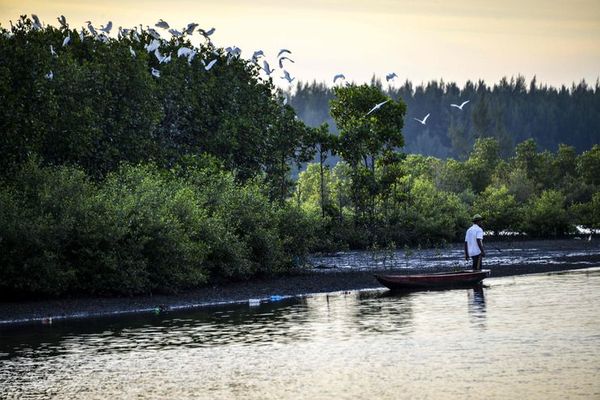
[(474, 243)]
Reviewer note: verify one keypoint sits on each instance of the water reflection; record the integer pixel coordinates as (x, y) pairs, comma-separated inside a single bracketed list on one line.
[(372, 344), (384, 312), (477, 308)]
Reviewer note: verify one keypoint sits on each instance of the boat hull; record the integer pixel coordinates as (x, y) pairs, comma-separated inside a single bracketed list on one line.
[(433, 280)]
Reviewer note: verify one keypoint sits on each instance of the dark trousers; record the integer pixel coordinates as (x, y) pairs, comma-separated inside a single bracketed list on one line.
[(477, 262)]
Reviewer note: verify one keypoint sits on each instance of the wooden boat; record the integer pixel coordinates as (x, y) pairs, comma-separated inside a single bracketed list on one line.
[(433, 280)]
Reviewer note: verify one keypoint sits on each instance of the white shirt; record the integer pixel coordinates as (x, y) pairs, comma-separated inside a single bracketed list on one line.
[(473, 233)]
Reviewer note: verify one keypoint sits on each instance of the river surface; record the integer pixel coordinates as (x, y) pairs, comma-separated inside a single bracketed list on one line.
[(527, 336)]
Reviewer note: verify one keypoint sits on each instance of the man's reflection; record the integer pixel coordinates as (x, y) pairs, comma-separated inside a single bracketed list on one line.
[(477, 303)]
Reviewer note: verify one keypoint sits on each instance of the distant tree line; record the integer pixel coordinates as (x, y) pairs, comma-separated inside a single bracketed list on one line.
[(511, 111)]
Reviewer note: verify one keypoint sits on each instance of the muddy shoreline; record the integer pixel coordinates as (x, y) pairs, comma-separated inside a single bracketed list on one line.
[(331, 278)]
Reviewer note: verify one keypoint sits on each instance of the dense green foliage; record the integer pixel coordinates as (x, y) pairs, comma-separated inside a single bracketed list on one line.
[(510, 111), (426, 201)]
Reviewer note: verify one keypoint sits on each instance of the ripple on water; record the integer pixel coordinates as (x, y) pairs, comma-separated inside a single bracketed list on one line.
[(370, 344)]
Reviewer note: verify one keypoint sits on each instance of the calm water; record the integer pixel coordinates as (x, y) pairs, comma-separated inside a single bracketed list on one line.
[(528, 337)]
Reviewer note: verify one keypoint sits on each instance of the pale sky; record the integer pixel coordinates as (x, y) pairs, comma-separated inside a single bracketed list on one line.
[(420, 40)]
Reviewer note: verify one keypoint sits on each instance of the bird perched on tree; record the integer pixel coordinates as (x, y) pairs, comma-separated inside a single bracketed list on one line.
[(36, 22), (155, 72), (91, 28), (210, 64), (63, 22)]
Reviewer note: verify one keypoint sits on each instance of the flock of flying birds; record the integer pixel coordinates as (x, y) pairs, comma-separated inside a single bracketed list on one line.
[(154, 47)]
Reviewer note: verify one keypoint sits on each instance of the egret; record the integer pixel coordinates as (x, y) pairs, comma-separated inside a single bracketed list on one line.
[(154, 44), (152, 32), (49, 75), (338, 76), (390, 76), (267, 68), (81, 35), (287, 77), (91, 28), (184, 51), (284, 58), (166, 59), (106, 29), (175, 32), (256, 54), (283, 51), (461, 106), (132, 52), (162, 24), (207, 33), (210, 64), (377, 107), (63, 22), (36, 22), (158, 56), (422, 121), (155, 72), (189, 29), (52, 51), (66, 40)]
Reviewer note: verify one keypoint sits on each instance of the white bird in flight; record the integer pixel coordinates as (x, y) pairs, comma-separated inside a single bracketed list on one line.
[(283, 51), (390, 76), (377, 107), (422, 121), (461, 106), (175, 32), (162, 24), (207, 33), (284, 58), (338, 76), (106, 29), (287, 77), (258, 53), (267, 68), (189, 29)]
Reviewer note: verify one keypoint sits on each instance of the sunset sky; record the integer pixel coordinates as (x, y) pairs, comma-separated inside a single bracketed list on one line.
[(420, 40)]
